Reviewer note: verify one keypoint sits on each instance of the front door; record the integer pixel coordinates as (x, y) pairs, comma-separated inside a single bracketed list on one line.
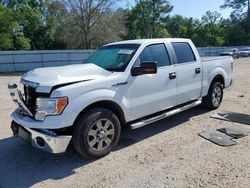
[(151, 93)]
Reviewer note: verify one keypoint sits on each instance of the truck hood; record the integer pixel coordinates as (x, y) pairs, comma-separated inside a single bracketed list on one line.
[(44, 79)]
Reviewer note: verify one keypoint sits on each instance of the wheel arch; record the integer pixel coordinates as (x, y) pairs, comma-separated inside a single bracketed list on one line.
[(218, 78), (107, 104)]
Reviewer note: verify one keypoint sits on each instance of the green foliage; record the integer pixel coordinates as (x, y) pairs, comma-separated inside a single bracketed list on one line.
[(238, 27), (11, 35), (209, 31), (22, 43), (146, 19), (239, 6), (213, 32), (78, 24)]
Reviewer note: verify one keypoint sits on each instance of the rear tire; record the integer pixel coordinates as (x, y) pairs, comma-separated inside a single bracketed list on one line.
[(214, 97), (96, 133)]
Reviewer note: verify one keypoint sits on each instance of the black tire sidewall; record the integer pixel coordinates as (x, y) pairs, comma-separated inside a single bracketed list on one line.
[(214, 85), (207, 100), (82, 127)]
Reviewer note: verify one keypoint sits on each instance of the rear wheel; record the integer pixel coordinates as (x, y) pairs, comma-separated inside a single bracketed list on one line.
[(96, 133), (215, 95)]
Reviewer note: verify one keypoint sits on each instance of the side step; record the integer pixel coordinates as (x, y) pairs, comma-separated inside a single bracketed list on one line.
[(164, 115)]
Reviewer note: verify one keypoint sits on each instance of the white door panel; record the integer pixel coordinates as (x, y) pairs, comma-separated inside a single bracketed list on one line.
[(152, 93), (189, 82)]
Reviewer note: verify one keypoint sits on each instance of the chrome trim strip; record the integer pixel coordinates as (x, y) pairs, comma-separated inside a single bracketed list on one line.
[(164, 115)]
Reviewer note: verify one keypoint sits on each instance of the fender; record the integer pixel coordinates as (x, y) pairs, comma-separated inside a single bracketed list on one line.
[(207, 82), (80, 103)]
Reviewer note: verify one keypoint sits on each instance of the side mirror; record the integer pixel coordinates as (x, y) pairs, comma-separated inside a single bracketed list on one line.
[(147, 67)]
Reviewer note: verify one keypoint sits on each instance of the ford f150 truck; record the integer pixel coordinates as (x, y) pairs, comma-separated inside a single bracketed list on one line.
[(133, 83)]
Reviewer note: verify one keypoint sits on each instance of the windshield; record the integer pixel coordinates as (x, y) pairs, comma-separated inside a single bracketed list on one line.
[(113, 57)]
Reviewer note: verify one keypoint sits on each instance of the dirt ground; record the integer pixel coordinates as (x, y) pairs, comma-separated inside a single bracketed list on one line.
[(168, 153)]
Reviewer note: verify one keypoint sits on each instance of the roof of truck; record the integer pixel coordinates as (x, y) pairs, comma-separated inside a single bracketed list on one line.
[(142, 41)]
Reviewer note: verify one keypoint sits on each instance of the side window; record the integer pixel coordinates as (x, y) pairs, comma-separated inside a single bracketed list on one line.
[(184, 52), (155, 52)]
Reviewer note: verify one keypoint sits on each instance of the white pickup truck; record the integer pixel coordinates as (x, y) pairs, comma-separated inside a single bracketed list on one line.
[(131, 83)]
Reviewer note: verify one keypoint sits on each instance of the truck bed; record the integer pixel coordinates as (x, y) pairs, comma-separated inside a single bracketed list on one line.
[(213, 58), (221, 64)]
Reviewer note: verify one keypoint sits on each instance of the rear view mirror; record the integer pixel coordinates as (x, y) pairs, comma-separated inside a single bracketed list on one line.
[(145, 68)]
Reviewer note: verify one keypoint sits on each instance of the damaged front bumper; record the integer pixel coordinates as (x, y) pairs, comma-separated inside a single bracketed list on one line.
[(41, 139)]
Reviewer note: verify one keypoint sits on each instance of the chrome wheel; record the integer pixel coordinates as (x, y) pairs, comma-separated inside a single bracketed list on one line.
[(216, 96), (101, 135)]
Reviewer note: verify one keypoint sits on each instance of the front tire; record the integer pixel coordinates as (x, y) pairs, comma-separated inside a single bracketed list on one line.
[(96, 133), (214, 98)]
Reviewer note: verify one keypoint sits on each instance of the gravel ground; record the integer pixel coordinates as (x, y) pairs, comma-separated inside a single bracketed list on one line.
[(168, 153)]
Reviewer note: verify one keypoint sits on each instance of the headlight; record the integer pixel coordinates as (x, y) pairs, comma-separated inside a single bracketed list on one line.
[(47, 106)]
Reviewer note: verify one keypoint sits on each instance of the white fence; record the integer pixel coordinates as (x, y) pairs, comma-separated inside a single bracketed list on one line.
[(14, 61)]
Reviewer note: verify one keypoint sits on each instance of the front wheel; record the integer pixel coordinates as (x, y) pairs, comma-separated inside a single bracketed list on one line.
[(215, 95), (96, 133)]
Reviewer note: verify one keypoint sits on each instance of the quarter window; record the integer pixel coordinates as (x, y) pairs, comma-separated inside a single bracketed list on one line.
[(155, 52), (184, 52)]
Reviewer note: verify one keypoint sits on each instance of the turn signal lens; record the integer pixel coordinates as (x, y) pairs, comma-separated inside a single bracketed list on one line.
[(61, 104)]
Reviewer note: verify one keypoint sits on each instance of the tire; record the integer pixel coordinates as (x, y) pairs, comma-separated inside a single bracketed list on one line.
[(215, 95), (92, 134)]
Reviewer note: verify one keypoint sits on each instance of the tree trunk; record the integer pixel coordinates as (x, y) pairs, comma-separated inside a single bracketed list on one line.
[(248, 15)]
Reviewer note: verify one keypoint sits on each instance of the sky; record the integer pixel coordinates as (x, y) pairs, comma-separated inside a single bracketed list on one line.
[(197, 8), (190, 8)]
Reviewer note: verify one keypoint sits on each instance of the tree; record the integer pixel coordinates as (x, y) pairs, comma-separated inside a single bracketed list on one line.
[(213, 30), (239, 6), (110, 28), (30, 16), (11, 34), (58, 22), (240, 21), (146, 19), (179, 26), (87, 14)]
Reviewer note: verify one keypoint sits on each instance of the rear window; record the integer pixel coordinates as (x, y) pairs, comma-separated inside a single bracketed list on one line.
[(184, 52)]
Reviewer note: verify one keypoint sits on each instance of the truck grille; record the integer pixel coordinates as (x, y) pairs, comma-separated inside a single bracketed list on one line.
[(30, 98)]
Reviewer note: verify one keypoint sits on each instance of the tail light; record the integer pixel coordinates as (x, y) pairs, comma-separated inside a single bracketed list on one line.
[(232, 66)]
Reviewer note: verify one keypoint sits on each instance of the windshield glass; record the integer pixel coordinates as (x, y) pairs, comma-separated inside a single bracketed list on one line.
[(113, 57)]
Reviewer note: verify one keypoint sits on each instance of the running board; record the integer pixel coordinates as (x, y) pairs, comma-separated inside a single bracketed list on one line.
[(164, 115)]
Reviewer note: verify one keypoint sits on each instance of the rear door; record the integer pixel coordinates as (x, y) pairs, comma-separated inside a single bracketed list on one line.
[(188, 73)]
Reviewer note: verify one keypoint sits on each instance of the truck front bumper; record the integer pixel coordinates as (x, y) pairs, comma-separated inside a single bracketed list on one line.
[(33, 131), (41, 139)]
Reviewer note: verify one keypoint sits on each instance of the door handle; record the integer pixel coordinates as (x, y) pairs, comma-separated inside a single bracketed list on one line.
[(172, 75), (197, 70)]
